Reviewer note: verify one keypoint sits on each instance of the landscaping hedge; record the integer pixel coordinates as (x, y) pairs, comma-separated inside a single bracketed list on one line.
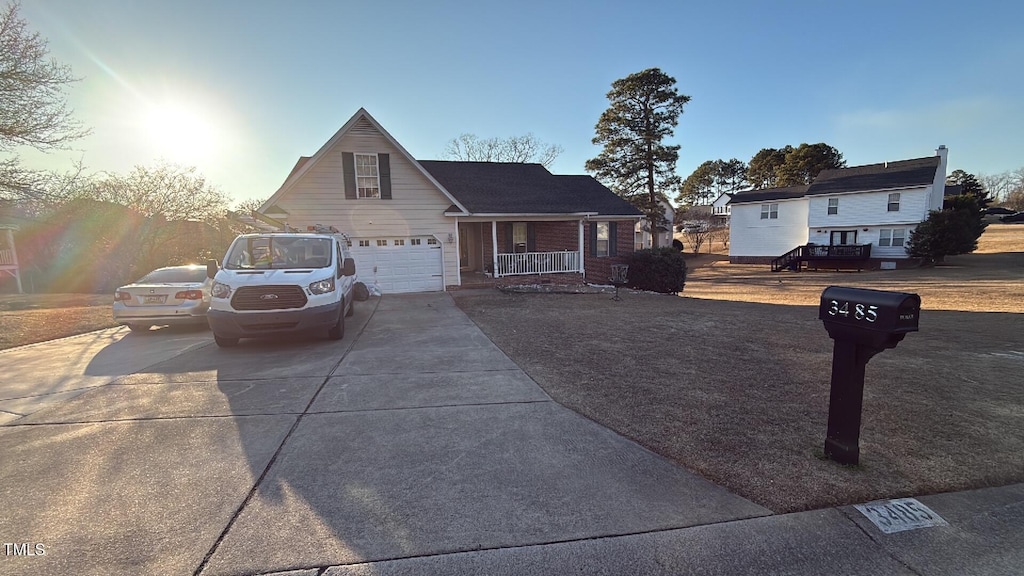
[(657, 270)]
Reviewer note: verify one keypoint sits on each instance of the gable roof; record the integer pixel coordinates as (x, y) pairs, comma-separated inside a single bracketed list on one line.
[(883, 176), (766, 194), (516, 188), (361, 115)]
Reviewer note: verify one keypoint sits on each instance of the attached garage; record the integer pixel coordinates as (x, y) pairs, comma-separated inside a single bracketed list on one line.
[(397, 265)]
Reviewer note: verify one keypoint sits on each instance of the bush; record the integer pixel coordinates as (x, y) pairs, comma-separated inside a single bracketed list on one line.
[(657, 270), (947, 232)]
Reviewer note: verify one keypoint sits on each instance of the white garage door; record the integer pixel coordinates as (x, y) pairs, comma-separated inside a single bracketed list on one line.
[(399, 264)]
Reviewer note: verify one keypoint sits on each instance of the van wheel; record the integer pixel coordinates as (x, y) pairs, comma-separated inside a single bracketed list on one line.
[(337, 332), (225, 342)]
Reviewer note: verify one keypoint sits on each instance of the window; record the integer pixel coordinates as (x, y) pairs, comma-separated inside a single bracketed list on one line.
[(367, 176), (519, 236), (894, 202), (603, 237), (414, 242), (638, 238), (364, 243), (892, 236), (769, 211), (400, 242), (432, 241), (833, 205), (382, 242)]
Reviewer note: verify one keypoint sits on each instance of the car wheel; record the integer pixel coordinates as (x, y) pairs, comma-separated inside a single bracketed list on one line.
[(225, 342), (337, 332), (351, 309), (139, 327)]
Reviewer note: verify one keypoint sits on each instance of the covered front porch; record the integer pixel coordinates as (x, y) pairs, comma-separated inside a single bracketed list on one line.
[(496, 249)]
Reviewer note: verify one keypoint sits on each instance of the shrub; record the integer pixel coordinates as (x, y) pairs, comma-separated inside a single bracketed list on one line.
[(657, 270)]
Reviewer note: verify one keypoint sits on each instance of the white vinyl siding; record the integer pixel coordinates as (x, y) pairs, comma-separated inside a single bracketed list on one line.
[(865, 209), (749, 235), (415, 210)]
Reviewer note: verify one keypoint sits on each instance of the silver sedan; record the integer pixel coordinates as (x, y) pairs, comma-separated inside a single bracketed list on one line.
[(173, 295)]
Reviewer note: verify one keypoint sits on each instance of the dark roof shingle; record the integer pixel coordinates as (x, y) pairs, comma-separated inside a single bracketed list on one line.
[(516, 188), (883, 176), (766, 194)]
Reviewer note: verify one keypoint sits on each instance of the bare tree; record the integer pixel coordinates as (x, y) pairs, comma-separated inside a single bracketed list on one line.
[(33, 103), (169, 190), (522, 149)]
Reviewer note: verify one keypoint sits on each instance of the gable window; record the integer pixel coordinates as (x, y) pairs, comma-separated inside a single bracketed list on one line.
[(892, 236), (367, 176), (769, 211), (894, 202), (833, 205)]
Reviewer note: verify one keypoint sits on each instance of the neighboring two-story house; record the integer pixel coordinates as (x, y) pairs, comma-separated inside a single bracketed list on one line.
[(721, 210), (876, 204), (664, 231)]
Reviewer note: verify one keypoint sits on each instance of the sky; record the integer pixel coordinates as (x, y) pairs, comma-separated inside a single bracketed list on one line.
[(241, 89)]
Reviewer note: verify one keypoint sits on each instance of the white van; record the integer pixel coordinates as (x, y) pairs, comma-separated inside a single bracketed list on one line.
[(279, 282)]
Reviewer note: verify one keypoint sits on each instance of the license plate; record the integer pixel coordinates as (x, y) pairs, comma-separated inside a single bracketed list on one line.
[(153, 299)]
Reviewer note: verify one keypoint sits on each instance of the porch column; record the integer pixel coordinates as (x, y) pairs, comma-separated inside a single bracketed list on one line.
[(14, 256), (494, 245), (581, 244)]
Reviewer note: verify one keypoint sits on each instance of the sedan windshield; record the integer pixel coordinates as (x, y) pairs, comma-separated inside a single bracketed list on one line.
[(178, 274), (260, 252)]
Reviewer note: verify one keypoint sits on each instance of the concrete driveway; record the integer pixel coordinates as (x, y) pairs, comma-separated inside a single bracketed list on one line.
[(414, 437)]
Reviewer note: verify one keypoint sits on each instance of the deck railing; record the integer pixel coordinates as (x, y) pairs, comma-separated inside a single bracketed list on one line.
[(795, 258), (6, 257), (538, 263)]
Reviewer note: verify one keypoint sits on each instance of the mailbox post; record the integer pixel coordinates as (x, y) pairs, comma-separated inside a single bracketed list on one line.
[(862, 323)]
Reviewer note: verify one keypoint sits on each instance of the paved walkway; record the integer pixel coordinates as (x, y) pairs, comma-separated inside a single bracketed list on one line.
[(412, 446)]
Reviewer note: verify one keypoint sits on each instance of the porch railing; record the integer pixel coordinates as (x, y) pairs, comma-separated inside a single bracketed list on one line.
[(537, 263), (6, 257)]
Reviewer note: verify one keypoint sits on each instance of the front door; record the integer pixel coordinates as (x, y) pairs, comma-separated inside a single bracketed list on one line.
[(467, 243), (843, 237)]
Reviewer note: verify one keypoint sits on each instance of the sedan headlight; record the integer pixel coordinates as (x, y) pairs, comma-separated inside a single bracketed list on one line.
[(323, 286), (220, 290)]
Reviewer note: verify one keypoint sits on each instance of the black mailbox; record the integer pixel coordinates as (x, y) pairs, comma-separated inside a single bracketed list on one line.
[(863, 323), (873, 318)]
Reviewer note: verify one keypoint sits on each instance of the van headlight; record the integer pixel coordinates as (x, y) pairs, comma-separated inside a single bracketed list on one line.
[(220, 290), (322, 286)]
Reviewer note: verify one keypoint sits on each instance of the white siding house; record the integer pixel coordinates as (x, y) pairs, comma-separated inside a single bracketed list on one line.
[(876, 204), (721, 210), (642, 231), (419, 226)]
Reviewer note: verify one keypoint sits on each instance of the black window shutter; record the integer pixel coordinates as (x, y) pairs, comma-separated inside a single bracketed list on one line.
[(384, 166), (348, 169), (612, 239), (531, 237), (593, 238), (509, 247)]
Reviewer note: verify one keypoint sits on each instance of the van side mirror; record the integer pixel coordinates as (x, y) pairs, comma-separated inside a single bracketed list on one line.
[(348, 268), (211, 268)]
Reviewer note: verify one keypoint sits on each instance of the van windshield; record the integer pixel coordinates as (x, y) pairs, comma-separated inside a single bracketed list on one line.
[(279, 252)]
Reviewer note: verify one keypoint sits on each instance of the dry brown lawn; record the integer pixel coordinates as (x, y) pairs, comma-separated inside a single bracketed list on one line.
[(732, 379), (31, 318)]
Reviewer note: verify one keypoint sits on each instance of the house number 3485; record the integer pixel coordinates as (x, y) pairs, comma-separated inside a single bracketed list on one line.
[(868, 313)]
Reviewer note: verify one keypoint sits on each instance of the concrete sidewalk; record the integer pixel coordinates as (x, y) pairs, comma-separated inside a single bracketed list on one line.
[(413, 446)]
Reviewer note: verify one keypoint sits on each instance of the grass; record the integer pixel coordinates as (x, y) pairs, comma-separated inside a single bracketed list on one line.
[(732, 379), (30, 318)]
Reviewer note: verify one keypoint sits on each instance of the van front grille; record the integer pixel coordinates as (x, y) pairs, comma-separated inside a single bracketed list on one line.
[(268, 298)]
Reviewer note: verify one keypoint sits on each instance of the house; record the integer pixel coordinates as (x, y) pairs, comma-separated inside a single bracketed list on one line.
[(721, 210), (643, 228), (872, 207), (418, 226)]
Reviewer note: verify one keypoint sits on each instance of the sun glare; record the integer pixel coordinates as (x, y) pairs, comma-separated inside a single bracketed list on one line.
[(180, 132)]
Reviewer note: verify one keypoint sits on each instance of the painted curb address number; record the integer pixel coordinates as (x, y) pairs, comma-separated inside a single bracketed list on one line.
[(892, 516)]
